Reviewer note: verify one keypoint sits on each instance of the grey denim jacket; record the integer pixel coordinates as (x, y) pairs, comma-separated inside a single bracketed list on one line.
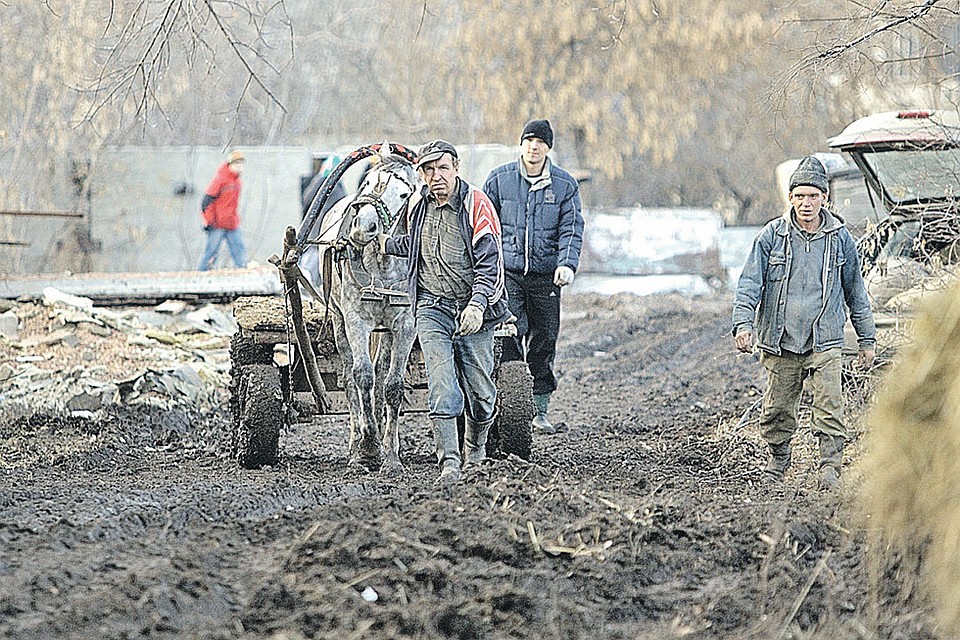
[(761, 292)]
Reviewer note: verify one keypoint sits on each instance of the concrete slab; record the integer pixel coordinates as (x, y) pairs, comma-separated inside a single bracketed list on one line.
[(148, 288)]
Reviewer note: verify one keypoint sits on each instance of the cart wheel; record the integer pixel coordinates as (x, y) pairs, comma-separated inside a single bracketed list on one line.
[(257, 415), (245, 350), (511, 432)]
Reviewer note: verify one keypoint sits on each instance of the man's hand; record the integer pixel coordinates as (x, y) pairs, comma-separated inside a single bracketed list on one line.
[(208, 227), (745, 340), (865, 358), (471, 319), (563, 276)]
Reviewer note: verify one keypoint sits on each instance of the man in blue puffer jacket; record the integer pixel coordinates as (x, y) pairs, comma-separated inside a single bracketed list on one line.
[(539, 207)]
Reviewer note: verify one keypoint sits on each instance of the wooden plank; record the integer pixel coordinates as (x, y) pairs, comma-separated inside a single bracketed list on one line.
[(130, 288), (42, 214), (414, 401)]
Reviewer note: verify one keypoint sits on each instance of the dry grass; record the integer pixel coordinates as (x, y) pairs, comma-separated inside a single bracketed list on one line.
[(911, 465)]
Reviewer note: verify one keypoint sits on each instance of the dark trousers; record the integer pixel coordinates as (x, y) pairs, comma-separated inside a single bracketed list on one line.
[(535, 301)]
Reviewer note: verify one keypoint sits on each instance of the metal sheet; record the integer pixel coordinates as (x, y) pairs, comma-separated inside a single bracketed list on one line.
[(131, 288), (638, 241)]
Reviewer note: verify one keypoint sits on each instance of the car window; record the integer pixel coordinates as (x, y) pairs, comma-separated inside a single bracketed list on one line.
[(923, 174), (850, 199), (903, 241)]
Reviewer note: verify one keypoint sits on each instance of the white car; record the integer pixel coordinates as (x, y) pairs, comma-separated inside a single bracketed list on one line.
[(911, 163)]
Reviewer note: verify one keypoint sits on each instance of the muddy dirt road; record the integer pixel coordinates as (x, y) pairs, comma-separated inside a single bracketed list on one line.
[(642, 515)]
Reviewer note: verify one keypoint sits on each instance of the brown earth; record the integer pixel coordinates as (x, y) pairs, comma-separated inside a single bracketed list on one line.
[(641, 515)]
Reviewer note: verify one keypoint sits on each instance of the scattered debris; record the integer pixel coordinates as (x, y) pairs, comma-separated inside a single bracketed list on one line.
[(9, 324), (67, 355)]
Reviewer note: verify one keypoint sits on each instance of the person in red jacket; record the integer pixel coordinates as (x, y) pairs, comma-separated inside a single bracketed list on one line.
[(221, 221)]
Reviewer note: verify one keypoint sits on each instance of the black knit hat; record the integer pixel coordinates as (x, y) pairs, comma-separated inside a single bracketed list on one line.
[(810, 173), (538, 129)]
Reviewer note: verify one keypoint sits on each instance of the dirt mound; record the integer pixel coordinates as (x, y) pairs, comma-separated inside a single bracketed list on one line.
[(641, 515)]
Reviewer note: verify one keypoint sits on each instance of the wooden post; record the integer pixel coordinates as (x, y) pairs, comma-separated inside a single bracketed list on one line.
[(290, 274)]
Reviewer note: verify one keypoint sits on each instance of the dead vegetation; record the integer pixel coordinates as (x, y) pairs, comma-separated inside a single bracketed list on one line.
[(911, 476)]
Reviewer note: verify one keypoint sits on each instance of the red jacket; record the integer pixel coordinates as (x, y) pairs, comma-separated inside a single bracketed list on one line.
[(219, 206)]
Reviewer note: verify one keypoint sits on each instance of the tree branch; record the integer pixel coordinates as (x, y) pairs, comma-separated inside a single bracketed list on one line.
[(838, 50)]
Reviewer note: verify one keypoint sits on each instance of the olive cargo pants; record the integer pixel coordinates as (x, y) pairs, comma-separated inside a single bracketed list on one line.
[(781, 401)]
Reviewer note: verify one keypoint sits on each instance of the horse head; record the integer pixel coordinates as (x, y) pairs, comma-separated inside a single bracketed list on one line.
[(382, 198)]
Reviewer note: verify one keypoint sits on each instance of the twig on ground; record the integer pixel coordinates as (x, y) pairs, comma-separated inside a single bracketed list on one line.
[(803, 593)]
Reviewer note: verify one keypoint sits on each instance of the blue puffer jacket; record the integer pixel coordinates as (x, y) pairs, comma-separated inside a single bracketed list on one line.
[(542, 229), (761, 292)]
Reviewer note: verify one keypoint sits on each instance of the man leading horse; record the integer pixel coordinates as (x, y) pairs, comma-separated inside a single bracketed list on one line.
[(456, 287)]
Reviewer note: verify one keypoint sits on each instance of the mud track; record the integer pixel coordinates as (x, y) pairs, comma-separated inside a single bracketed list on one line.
[(641, 515)]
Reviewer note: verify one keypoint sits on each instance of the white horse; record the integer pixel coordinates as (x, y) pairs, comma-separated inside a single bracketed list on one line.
[(366, 292)]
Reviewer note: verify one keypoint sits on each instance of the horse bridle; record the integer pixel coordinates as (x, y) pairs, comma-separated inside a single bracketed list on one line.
[(375, 199), (343, 251)]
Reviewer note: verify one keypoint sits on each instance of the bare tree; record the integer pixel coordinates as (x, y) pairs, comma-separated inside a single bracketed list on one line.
[(150, 55), (625, 78), (882, 55), (667, 103)]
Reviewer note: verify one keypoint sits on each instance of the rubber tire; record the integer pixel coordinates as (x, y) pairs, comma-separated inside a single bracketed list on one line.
[(257, 416), (511, 432), (244, 350)]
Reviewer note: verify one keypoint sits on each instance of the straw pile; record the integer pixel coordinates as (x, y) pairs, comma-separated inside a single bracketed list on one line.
[(912, 457)]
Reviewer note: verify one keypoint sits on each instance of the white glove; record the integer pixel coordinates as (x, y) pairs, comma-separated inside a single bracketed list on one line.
[(563, 276), (471, 319)]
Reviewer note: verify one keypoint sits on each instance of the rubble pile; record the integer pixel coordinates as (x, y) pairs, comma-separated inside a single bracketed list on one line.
[(64, 355)]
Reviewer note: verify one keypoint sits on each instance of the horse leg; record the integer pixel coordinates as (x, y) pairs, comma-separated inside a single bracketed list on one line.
[(381, 365), (370, 450), (386, 355), (349, 388), (404, 335)]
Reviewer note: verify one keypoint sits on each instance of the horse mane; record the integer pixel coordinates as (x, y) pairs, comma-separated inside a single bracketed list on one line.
[(393, 160)]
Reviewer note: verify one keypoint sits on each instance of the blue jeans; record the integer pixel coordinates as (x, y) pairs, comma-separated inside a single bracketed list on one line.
[(458, 367), (215, 238)]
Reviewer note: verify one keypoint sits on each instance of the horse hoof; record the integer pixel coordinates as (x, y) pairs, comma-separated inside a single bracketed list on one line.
[(392, 469), (367, 462)]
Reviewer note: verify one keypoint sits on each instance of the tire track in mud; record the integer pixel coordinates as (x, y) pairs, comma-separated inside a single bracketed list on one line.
[(668, 375), (638, 517)]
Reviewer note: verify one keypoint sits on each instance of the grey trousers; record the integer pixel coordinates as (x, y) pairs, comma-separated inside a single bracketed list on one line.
[(781, 401)]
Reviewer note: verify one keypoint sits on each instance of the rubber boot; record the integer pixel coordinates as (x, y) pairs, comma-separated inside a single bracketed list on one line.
[(779, 461), (448, 450), (540, 420), (831, 459), (475, 441)]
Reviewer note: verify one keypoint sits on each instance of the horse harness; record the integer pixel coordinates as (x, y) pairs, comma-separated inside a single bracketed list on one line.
[(348, 258)]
